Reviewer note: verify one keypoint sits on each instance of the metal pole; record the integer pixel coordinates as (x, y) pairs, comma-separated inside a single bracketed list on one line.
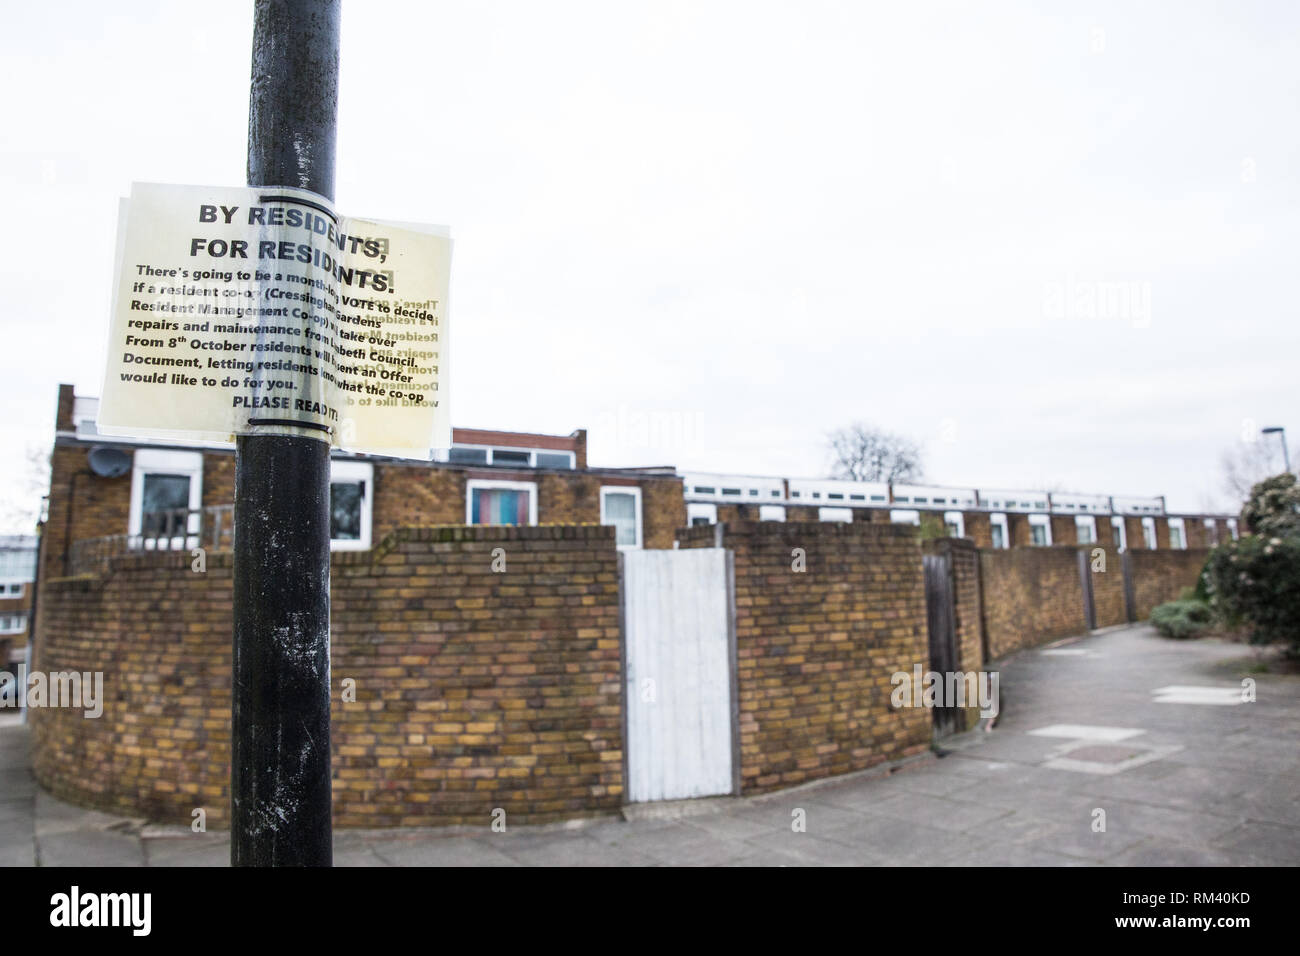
[(280, 727)]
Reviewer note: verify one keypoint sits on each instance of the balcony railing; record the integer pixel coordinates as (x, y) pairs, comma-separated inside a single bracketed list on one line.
[(175, 529)]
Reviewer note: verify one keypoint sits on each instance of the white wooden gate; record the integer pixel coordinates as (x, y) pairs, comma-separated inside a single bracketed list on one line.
[(678, 664)]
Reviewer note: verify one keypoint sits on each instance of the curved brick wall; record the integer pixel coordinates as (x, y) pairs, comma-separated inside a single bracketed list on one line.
[(474, 689)]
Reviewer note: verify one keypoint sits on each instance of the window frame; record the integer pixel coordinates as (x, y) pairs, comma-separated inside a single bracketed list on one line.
[(490, 484), (1119, 530), (957, 518), (171, 462), (1149, 537), (999, 519), (345, 472), (1181, 526), (491, 462), (1085, 521), (1044, 522), (635, 492), (700, 509)]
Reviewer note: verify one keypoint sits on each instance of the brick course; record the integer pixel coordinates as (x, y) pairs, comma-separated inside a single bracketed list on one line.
[(474, 690), (817, 649), (1031, 595), (1158, 576)]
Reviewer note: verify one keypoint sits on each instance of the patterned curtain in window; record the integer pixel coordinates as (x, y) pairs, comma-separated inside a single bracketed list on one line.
[(499, 506)]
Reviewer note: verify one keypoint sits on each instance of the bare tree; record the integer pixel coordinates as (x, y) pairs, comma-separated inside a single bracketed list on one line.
[(864, 452), (20, 513), (1245, 464)]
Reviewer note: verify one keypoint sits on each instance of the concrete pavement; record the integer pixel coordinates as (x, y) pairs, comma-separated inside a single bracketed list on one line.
[(1098, 730)]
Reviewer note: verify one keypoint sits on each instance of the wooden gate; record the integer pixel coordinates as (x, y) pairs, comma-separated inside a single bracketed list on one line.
[(679, 670), (943, 632)]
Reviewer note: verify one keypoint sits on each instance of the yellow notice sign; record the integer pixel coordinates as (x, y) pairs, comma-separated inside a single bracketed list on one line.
[(260, 310)]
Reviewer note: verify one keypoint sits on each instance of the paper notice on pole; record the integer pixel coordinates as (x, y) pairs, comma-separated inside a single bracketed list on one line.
[(262, 311)]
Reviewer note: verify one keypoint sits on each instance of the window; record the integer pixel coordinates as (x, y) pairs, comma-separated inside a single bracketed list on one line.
[(697, 514), (550, 459), (904, 516), (1149, 532), (834, 514), (351, 495), (18, 564), (621, 507), (955, 522), (502, 456), (1177, 534), (1040, 530), (1118, 533), (13, 623), (468, 456), (1085, 528), (510, 457), (163, 483), (11, 589), (1211, 531), (500, 502), (998, 531), (1232, 528), (771, 512)]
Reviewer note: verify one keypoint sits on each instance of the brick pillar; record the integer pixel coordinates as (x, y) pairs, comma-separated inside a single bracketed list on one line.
[(1105, 533), (1018, 530), (63, 411), (978, 528), (1064, 530), (580, 448)]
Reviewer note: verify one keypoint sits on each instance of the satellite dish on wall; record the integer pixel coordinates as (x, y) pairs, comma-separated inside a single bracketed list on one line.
[(109, 462)]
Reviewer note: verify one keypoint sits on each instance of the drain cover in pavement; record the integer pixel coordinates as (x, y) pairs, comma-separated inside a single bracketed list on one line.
[(1088, 756)]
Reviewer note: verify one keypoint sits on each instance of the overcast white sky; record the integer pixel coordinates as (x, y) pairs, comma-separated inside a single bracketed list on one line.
[(746, 223)]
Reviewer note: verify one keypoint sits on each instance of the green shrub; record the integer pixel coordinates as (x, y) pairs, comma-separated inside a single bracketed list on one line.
[(1182, 619), (1255, 581)]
